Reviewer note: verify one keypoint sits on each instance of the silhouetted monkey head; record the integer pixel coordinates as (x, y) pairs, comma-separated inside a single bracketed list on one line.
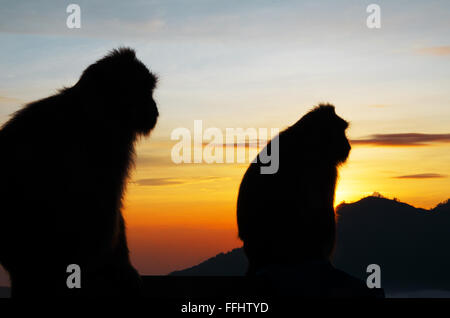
[(323, 133), (120, 89)]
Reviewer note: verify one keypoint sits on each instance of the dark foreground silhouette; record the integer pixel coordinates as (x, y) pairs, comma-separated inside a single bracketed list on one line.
[(409, 244), (286, 219), (406, 242), (63, 165)]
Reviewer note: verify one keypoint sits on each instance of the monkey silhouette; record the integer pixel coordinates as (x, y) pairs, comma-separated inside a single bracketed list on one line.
[(286, 219), (64, 163)]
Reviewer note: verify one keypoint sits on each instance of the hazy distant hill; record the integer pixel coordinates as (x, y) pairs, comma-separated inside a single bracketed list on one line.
[(411, 245)]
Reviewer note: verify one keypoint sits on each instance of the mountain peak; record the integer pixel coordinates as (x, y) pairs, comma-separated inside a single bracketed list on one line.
[(443, 206), (374, 201)]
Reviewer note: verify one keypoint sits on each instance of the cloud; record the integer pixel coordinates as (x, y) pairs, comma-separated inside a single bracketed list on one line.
[(158, 181), (105, 19), (436, 50), (6, 99), (421, 176), (151, 160), (162, 20), (248, 144), (407, 139), (176, 181)]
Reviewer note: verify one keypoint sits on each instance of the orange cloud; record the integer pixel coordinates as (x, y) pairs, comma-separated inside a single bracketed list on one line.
[(150, 160), (248, 144), (408, 139), (436, 50), (6, 99), (421, 176), (174, 181)]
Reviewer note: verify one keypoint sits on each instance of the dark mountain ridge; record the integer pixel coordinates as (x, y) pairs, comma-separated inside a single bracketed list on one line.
[(409, 244)]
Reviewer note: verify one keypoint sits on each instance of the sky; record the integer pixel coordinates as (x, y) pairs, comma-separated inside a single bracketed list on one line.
[(260, 64)]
